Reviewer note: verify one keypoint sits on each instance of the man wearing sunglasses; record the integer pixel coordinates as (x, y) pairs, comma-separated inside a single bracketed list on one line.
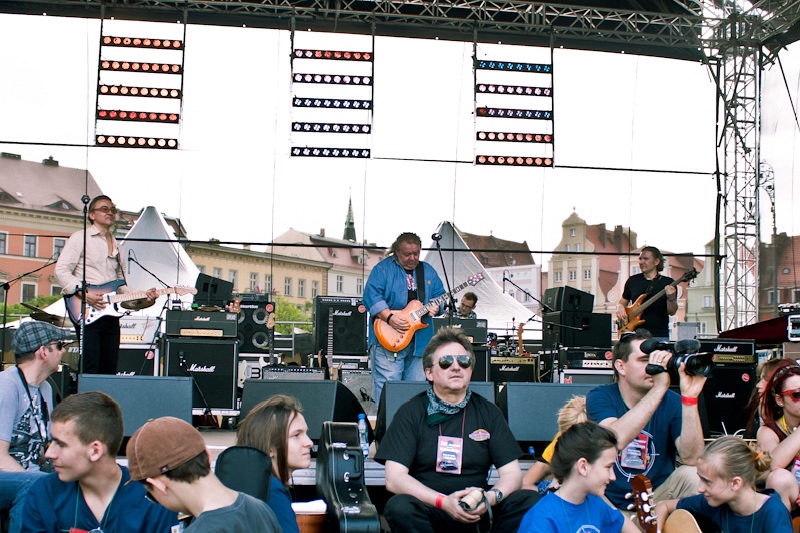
[(101, 340), (26, 399), (440, 448)]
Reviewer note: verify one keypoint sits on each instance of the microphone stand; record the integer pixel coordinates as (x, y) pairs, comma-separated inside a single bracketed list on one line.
[(159, 318), (436, 238), (146, 270), (207, 408), (546, 308)]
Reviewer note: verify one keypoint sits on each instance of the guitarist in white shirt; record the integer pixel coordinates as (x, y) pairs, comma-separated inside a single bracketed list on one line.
[(649, 282), (392, 284), (101, 343)]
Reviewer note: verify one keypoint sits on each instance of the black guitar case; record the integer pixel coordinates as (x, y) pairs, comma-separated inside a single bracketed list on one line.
[(341, 483)]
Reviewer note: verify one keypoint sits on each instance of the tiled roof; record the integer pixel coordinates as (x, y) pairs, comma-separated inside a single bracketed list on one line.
[(509, 253)]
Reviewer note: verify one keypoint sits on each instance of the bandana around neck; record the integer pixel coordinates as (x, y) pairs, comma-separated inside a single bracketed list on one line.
[(439, 410)]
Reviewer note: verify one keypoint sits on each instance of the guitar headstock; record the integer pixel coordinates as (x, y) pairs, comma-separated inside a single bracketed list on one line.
[(182, 290), (689, 276), (475, 279), (642, 491), (236, 305)]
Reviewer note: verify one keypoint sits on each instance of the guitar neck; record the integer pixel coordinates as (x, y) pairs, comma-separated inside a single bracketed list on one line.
[(439, 300), (655, 297), (137, 295)]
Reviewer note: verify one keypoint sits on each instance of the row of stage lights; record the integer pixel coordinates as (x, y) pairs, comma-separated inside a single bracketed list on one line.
[(334, 79), (124, 141), (137, 116), (519, 90), (358, 153), (509, 66), (327, 127), (136, 42), (150, 92), (501, 112), (517, 161), (335, 55), (333, 103), (514, 137), (133, 66)]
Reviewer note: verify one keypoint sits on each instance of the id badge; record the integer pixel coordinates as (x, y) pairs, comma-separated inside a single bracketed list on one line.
[(449, 454), (796, 468), (635, 454)]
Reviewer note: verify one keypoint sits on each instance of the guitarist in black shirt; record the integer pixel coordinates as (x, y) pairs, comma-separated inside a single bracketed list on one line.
[(640, 288)]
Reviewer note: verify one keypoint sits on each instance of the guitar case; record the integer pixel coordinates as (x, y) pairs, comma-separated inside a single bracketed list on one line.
[(341, 483)]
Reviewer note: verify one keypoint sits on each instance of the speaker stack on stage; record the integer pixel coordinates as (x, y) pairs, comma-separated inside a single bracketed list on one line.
[(256, 346)]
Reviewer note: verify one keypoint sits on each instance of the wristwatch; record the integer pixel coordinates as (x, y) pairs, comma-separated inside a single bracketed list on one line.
[(498, 495)]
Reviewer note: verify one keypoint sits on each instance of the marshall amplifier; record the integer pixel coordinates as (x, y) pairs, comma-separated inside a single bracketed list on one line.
[(730, 351), (586, 376), (340, 326), (593, 357), (505, 369), (476, 329), (300, 373), (138, 360), (138, 329), (202, 324), (213, 365)]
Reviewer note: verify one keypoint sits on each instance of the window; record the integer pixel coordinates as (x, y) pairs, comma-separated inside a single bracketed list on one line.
[(218, 273), (3, 243), (29, 249), (232, 277), (785, 271), (796, 294), (702, 328), (572, 232), (201, 268), (359, 285), (708, 301), (314, 289), (268, 283), (28, 292), (577, 247), (253, 281), (771, 298), (573, 275), (55, 290), (301, 288), (339, 283), (567, 248), (635, 270), (58, 245), (558, 277), (587, 273), (287, 286)]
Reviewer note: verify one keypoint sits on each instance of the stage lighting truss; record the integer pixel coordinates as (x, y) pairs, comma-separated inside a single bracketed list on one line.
[(138, 116), (331, 103), (514, 90), (501, 136), (125, 141), (514, 161), (502, 112), (327, 127), (352, 153), (149, 92), (334, 55), (135, 66), (142, 42), (332, 79), (511, 66)]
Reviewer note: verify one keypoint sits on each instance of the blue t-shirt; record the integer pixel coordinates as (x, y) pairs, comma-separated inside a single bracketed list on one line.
[(280, 501), (53, 506), (552, 514), (652, 454), (771, 518)]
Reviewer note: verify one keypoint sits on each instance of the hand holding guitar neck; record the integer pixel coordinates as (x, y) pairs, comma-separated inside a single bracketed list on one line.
[(632, 313)]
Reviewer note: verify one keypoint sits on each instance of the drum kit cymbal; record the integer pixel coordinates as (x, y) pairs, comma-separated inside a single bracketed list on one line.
[(44, 316)]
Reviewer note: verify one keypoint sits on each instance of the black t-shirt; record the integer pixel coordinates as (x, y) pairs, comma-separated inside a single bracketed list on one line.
[(411, 442), (656, 317)]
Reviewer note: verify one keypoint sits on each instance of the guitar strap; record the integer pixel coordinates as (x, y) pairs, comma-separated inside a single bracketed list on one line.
[(651, 286), (420, 272)]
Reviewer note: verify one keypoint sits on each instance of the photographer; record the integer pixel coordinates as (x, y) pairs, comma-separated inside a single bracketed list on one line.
[(652, 423), (26, 399)]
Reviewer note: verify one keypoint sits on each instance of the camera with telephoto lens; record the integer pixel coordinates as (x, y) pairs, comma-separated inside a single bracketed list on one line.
[(684, 351)]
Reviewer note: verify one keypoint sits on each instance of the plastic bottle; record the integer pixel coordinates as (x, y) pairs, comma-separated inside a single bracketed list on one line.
[(363, 439)]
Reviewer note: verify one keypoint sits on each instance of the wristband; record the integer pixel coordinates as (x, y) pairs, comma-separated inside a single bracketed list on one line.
[(389, 318), (439, 501), (686, 400), (672, 300)]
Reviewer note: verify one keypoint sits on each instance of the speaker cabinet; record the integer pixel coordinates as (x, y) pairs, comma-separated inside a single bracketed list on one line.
[(361, 384), (726, 396), (340, 326), (137, 360), (481, 370), (568, 299), (521, 402), (396, 393), (322, 400), (143, 397), (214, 365), (572, 329), (253, 335)]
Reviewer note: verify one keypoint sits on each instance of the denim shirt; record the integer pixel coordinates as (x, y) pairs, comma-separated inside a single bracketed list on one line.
[(387, 288)]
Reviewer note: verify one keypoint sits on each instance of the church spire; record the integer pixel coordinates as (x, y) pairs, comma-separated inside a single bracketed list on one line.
[(349, 224)]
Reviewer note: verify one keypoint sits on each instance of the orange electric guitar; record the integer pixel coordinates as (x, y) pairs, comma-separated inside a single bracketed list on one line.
[(679, 521), (394, 340), (637, 308)]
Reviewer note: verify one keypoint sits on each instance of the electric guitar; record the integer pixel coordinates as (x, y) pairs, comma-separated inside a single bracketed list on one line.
[(113, 300), (679, 521), (394, 340), (637, 308)]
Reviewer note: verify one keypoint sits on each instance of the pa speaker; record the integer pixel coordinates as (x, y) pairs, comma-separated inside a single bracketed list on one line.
[(726, 396), (143, 397), (213, 365), (521, 402), (572, 329), (362, 386), (253, 332), (340, 326), (322, 400), (396, 393), (568, 299)]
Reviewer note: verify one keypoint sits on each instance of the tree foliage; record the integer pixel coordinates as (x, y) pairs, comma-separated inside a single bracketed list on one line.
[(289, 312)]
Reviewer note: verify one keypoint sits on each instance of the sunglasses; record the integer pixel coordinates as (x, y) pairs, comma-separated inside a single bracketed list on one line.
[(446, 361), (106, 209), (793, 393), (60, 345)]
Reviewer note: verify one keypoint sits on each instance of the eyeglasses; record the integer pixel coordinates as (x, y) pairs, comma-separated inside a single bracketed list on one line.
[(60, 345), (149, 497), (793, 393), (446, 361), (106, 209)]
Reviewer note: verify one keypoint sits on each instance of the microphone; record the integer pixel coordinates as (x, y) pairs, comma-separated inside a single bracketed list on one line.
[(436, 237), (504, 280), (651, 345), (129, 262)]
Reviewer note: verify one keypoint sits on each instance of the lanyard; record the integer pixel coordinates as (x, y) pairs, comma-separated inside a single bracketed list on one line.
[(40, 424), (105, 515)]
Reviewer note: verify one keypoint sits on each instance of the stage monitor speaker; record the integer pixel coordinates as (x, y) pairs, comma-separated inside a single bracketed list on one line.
[(362, 386), (522, 402), (481, 370), (322, 400), (137, 360), (341, 322), (396, 393), (727, 394), (572, 329), (568, 299), (143, 397), (253, 333), (213, 364)]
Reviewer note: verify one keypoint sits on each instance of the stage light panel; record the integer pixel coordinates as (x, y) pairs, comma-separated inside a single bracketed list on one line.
[(149, 92), (328, 127), (514, 90), (331, 103), (352, 153), (138, 116), (142, 42), (502, 136), (511, 66), (136, 66), (126, 141), (335, 55), (502, 112), (514, 161), (333, 79)]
